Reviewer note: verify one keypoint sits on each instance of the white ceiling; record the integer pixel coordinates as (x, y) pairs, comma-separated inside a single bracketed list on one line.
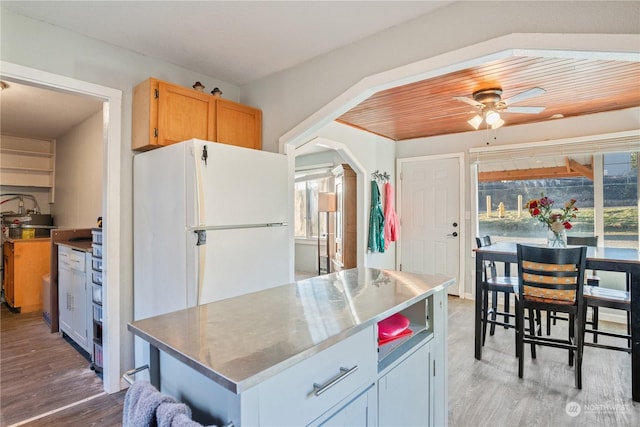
[(234, 41), (33, 112)]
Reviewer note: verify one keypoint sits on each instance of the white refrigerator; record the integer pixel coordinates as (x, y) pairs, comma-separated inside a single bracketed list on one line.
[(210, 222)]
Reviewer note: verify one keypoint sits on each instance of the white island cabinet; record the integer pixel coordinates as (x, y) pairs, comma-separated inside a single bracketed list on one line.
[(307, 353)]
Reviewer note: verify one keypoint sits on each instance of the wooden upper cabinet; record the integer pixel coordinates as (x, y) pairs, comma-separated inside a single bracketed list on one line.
[(165, 113), (184, 114), (238, 124)]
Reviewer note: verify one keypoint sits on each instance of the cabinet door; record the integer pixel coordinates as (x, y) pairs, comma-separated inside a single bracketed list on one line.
[(88, 285), (8, 273), (184, 114), (238, 124), (79, 308), (65, 317), (404, 393), (358, 412)]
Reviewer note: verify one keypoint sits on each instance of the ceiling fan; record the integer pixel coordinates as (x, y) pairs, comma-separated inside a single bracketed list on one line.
[(489, 105)]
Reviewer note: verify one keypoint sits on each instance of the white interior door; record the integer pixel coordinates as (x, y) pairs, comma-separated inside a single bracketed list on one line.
[(430, 217)]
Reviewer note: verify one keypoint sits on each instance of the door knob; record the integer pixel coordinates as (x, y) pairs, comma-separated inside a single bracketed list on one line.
[(455, 224), (454, 234)]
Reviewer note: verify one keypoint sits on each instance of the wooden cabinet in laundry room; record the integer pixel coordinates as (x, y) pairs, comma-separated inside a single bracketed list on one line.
[(25, 261)]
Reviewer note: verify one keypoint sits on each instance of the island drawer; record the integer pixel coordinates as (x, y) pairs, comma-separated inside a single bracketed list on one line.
[(305, 391)]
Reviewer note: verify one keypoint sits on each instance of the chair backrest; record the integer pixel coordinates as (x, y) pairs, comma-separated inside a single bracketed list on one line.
[(582, 240), (483, 241), (551, 275), (490, 269)]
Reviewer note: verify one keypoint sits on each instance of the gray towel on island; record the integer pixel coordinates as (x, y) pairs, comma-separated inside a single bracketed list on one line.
[(167, 414), (140, 404), (181, 420)]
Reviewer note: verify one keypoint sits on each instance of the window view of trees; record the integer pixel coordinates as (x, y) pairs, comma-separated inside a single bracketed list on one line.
[(503, 214)]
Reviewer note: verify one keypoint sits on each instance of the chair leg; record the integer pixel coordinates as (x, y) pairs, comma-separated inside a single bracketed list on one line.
[(532, 331), (594, 323), (519, 338), (572, 337), (507, 297), (579, 334), (549, 322), (485, 314), (494, 309), (629, 328), (517, 341)]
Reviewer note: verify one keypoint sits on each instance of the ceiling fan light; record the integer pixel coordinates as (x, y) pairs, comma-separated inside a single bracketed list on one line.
[(475, 122), (497, 124), (492, 117)]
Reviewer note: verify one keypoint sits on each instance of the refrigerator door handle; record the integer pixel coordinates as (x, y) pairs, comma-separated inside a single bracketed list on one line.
[(202, 237), (200, 228)]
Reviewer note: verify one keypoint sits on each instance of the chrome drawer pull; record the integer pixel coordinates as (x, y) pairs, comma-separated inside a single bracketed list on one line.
[(344, 373)]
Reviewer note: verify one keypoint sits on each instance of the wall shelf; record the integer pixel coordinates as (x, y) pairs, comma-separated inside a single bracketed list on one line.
[(27, 162)]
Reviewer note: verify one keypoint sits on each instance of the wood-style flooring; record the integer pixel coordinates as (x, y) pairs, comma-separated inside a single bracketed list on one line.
[(488, 392), (40, 373)]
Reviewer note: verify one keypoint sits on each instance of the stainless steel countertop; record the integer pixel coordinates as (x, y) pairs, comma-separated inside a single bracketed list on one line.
[(242, 341)]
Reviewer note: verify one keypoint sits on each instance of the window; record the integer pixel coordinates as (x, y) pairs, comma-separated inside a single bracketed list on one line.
[(620, 188), (501, 203), (502, 207), (307, 188)]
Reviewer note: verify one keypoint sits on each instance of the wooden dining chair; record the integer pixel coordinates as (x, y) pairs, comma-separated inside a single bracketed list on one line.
[(597, 296), (592, 279), (551, 279), (494, 284)]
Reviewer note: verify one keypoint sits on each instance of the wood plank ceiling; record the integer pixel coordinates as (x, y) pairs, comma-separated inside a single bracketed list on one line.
[(574, 87)]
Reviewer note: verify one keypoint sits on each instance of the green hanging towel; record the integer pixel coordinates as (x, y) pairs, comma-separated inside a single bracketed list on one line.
[(376, 221)]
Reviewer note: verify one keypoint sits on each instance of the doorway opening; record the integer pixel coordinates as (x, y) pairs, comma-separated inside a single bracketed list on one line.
[(112, 104)]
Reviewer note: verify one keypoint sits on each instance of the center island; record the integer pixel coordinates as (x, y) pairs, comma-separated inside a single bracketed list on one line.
[(307, 353)]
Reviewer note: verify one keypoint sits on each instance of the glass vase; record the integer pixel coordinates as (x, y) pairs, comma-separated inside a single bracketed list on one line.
[(557, 239)]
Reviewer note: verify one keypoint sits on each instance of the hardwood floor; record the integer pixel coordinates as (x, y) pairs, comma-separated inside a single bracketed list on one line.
[(41, 374), (488, 392)]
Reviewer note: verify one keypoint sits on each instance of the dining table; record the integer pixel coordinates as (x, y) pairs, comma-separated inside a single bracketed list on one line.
[(626, 260)]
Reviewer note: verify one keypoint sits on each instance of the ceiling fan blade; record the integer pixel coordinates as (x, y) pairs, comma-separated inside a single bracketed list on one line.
[(523, 110), (469, 101), (524, 95)]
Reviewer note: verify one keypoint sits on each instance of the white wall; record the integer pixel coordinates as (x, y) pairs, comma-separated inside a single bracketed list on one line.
[(78, 188), (365, 153)]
